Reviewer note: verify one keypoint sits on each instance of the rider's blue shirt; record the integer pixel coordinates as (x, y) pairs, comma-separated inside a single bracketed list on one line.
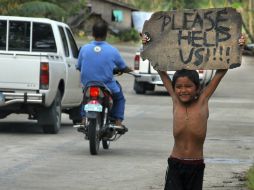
[(96, 62)]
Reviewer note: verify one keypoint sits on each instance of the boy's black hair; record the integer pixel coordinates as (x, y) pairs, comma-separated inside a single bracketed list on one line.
[(191, 74), (100, 29)]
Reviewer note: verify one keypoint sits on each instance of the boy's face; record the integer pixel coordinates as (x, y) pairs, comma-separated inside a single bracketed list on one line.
[(185, 89)]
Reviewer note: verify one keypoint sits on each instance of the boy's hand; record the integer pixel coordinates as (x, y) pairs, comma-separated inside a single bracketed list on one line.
[(145, 38), (162, 72), (242, 40), (221, 71)]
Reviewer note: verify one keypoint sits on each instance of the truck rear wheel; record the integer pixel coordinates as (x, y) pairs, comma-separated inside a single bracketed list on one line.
[(142, 87), (50, 119), (75, 115), (139, 87)]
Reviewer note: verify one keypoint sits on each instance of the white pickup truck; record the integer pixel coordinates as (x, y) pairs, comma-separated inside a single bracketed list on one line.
[(146, 77), (38, 76)]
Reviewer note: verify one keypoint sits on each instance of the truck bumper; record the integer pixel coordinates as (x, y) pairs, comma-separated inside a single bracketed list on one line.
[(150, 78), (8, 98)]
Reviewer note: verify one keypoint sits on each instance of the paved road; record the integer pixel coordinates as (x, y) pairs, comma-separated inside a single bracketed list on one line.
[(230, 143), (31, 160)]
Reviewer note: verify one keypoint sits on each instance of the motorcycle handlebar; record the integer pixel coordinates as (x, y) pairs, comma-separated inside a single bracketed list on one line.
[(118, 71)]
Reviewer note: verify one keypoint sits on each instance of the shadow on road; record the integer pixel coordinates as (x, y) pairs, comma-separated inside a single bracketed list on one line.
[(24, 127)]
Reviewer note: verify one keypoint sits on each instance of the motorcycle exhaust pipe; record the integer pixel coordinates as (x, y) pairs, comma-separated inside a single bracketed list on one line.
[(109, 132)]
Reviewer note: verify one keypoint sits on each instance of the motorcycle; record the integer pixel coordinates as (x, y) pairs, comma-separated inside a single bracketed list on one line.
[(97, 124)]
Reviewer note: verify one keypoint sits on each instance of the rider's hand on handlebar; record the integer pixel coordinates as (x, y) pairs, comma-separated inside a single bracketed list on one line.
[(118, 71), (128, 70)]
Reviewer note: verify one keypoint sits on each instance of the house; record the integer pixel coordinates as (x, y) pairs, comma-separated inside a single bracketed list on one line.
[(115, 12)]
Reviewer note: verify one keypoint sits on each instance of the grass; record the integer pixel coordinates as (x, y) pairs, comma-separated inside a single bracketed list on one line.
[(250, 178)]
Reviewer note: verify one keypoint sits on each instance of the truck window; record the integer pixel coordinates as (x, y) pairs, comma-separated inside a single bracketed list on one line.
[(64, 40), (3, 29), (43, 38), (74, 47), (19, 36)]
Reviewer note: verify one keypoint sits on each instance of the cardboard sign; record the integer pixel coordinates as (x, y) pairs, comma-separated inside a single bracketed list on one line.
[(193, 39)]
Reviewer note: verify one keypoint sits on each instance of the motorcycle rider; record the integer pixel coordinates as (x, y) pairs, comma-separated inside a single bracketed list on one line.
[(96, 62)]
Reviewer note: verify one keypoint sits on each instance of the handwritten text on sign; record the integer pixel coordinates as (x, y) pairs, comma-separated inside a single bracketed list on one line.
[(193, 39)]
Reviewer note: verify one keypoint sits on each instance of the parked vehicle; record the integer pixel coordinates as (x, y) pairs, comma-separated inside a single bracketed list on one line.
[(37, 71), (146, 78), (97, 124), (248, 49)]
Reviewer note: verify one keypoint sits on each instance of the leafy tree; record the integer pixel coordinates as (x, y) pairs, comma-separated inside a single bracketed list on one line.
[(165, 5), (7, 5), (55, 9), (41, 9), (245, 7)]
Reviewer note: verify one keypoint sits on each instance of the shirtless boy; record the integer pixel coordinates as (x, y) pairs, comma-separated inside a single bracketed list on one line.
[(190, 114)]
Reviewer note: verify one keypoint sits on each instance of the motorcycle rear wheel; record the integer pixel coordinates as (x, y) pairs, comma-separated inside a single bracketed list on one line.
[(94, 138)]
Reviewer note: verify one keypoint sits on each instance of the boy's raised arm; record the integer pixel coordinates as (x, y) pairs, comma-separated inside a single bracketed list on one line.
[(209, 90), (163, 74), (167, 83)]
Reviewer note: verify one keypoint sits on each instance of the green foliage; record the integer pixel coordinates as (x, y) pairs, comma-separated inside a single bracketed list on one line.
[(54, 9), (41, 9), (129, 35), (250, 178), (236, 5), (166, 5), (146, 5), (75, 8), (113, 39), (243, 6), (7, 5)]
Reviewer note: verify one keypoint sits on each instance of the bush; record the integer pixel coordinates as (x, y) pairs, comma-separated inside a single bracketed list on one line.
[(129, 35), (250, 178)]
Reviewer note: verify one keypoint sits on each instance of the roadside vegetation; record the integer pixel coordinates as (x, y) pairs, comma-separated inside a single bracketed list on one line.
[(250, 178), (61, 10), (245, 7)]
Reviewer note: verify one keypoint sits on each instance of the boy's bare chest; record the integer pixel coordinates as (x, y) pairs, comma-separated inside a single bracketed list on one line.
[(190, 123), (193, 116), (194, 111)]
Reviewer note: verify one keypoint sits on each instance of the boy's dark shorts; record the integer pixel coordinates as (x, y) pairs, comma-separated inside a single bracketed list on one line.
[(184, 174)]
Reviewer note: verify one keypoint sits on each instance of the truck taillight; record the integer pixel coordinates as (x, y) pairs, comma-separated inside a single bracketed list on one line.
[(94, 92), (44, 75), (136, 62)]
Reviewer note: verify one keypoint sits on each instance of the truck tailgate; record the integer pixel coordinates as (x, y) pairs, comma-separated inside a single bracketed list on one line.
[(19, 72)]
